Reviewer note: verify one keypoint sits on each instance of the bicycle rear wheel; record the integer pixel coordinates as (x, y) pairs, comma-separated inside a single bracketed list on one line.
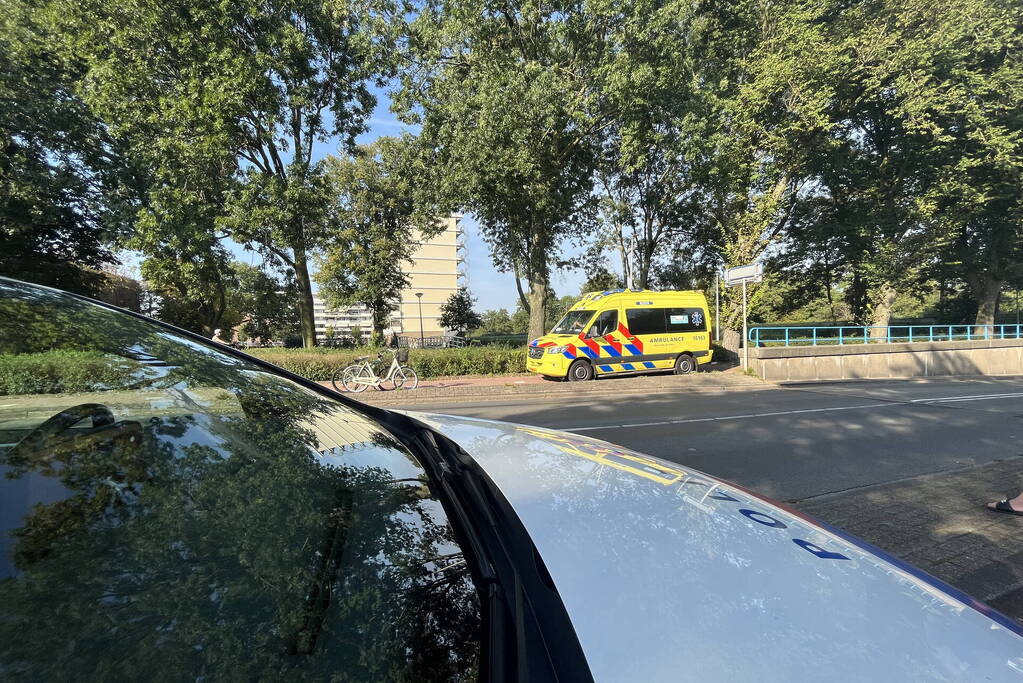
[(337, 379), (406, 378)]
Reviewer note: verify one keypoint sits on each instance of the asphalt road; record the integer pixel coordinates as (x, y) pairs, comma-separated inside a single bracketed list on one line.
[(794, 443)]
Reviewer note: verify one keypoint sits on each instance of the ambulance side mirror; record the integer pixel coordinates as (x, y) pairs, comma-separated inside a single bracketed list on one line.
[(594, 332)]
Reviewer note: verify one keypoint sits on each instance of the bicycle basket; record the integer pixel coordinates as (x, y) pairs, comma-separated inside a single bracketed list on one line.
[(401, 355)]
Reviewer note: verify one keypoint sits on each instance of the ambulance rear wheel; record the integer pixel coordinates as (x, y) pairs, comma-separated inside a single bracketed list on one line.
[(580, 371), (684, 364)]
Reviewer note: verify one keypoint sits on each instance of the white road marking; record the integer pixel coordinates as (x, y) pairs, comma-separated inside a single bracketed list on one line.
[(883, 404), (977, 397), (726, 417)]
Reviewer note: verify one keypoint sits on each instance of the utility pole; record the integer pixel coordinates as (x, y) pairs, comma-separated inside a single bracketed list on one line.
[(422, 337), (745, 334), (717, 308)]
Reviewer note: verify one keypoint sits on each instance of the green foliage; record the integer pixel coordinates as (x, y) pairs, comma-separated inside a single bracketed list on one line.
[(320, 364), (223, 104), (63, 372), (504, 98), (600, 279), (375, 211), (63, 185), (555, 310), (209, 292), (496, 322), (265, 304), (457, 314)]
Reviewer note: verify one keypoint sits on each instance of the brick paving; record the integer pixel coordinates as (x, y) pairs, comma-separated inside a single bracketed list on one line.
[(938, 523)]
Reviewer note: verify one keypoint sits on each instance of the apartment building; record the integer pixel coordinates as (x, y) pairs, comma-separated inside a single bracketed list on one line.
[(342, 321), (436, 272)]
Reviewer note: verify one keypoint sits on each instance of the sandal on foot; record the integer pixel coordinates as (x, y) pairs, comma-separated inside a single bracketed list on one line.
[(1003, 506)]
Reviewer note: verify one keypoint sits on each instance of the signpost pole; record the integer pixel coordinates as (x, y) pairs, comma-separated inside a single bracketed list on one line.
[(745, 334), (740, 275), (717, 308)]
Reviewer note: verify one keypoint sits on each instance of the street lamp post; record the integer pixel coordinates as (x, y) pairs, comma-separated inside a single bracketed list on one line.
[(422, 337)]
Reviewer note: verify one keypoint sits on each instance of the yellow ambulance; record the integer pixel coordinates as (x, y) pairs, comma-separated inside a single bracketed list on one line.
[(625, 331)]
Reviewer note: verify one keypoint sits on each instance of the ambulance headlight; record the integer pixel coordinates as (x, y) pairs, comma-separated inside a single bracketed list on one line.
[(556, 349)]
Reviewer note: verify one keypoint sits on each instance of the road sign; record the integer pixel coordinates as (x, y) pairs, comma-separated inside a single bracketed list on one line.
[(754, 272), (741, 275)]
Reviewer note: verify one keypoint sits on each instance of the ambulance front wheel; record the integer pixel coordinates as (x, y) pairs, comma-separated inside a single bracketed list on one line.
[(684, 364), (580, 371)]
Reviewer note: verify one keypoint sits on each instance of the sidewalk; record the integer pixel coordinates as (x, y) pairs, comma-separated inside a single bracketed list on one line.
[(492, 388), (938, 523)]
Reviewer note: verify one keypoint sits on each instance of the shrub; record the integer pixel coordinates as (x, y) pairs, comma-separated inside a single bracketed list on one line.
[(320, 364), (63, 372)]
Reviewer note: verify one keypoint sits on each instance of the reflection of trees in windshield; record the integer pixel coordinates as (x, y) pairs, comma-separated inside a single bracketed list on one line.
[(224, 545), (34, 320), (246, 556)]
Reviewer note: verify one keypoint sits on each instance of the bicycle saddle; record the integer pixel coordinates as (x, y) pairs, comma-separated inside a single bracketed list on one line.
[(361, 358)]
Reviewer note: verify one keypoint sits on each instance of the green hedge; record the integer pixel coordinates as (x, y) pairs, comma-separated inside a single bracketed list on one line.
[(63, 372), (320, 364)]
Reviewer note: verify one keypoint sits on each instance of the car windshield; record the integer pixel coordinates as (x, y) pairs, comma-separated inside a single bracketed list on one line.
[(574, 322), (173, 512)]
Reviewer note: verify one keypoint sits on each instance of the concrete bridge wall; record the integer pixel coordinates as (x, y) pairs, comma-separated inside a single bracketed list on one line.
[(884, 361)]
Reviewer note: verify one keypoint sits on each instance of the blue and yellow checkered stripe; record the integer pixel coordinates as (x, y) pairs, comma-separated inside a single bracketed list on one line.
[(621, 367)]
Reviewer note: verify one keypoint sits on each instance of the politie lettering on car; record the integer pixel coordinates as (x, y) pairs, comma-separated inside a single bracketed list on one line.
[(172, 509)]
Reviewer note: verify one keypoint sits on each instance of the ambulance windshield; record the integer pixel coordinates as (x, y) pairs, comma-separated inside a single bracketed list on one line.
[(574, 322)]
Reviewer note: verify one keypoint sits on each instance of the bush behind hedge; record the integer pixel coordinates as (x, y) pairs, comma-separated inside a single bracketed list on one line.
[(63, 372), (320, 364)]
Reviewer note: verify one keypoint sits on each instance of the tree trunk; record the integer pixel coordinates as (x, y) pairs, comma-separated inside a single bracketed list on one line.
[(645, 261), (883, 312), (305, 298), (623, 253), (856, 298), (523, 300), (987, 291), (537, 309)]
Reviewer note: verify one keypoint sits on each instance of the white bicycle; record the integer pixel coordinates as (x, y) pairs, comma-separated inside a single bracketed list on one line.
[(361, 374)]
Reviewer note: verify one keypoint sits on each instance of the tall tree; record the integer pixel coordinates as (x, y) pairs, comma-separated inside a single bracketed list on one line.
[(503, 93), (766, 72), (64, 185), (240, 91), (921, 178), (963, 78), (646, 89), (376, 211)]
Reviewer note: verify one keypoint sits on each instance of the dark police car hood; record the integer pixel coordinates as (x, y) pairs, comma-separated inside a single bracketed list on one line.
[(670, 574)]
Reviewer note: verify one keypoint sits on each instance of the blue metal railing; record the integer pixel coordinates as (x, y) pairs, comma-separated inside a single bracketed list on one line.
[(866, 334)]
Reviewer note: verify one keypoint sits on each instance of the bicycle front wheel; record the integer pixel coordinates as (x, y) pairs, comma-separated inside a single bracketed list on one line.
[(353, 380), (406, 378)]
